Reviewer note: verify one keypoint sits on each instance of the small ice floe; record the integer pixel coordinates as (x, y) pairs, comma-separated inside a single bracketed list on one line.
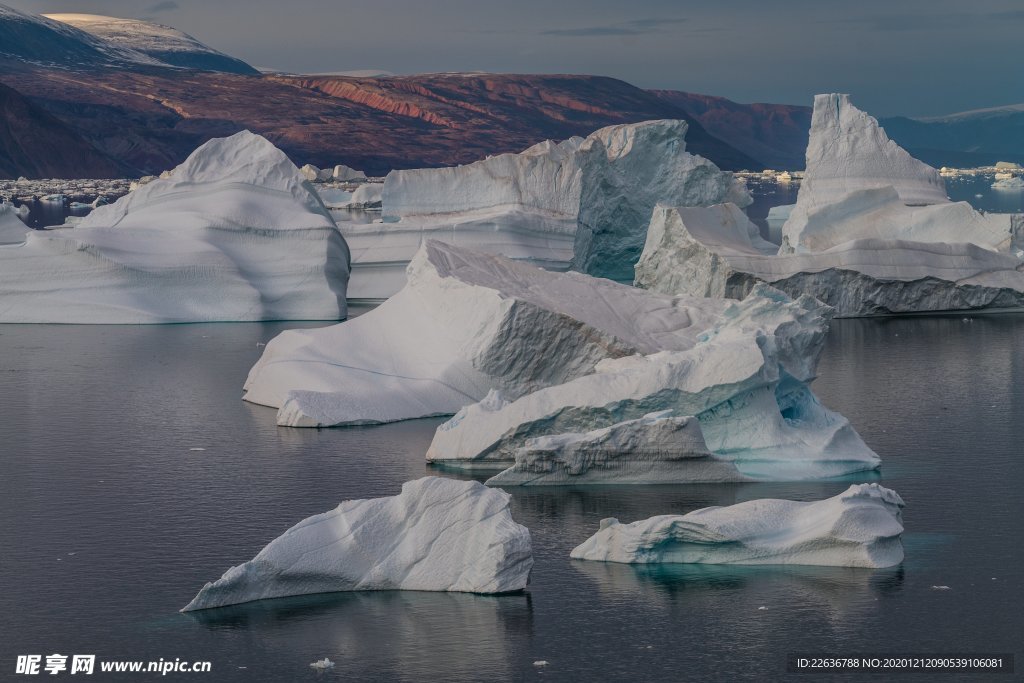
[(259, 344), (322, 664), (197, 449), (762, 607), (541, 662), (940, 588)]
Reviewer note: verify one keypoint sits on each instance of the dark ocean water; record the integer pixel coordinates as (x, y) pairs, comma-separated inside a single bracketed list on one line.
[(110, 523)]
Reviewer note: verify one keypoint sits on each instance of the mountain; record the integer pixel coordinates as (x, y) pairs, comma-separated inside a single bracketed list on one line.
[(163, 43), (972, 138), (152, 118), (774, 134), (36, 144), (35, 39)]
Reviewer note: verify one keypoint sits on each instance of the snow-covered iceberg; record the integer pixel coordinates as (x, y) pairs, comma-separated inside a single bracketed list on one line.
[(465, 323), (744, 377), (583, 201), (436, 535), (654, 448), (235, 233), (716, 252), (860, 527), (872, 232), (12, 228)]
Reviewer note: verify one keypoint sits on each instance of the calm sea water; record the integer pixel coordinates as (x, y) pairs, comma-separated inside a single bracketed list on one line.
[(110, 523)]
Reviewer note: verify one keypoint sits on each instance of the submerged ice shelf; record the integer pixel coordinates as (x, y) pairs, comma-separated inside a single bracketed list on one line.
[(436, 535), (235, 233), (860, 527), (872, 232)]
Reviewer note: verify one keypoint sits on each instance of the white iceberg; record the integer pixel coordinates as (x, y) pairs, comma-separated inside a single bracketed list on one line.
[(860, 527), (12, 227), (465, 323), (745, 377), (582, 201), (235, 234), (367, 196), (346, 173), (436, 535), (654, 448), (871, 233), (859, 184), (1012, 184), (716, 252)]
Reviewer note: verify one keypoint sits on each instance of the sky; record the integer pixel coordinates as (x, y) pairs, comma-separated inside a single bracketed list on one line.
[(896, 57)]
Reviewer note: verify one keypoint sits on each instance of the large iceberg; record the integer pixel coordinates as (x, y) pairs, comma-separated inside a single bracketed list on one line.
[(436, 535), (744, 377), (465, 323), (583, 201), (872, 232), (717, 252), (235, 233), (860, 527)]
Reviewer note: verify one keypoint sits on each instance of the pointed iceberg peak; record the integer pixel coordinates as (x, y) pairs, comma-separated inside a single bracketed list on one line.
[(849, 151)]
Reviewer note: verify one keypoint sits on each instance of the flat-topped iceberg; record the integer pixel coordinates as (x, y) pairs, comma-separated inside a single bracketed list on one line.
[(465, 323), (860, 527), (716, 252), (235, 233), (872, 232), (744, 377), (436, 535), (654, 448), (583, 201)]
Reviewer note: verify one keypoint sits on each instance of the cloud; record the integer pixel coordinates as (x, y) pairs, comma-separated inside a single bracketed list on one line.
[(163, 6), (956, 21), (634, 27)]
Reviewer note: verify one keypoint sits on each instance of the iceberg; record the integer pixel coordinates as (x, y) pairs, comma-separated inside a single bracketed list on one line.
[(716, 252), (860, 184), (871, 233), (346, 173), (436, 535), (234, 234), (12, 227), (744, 377), (583, 202), (1013, 184), (654, 448), (465, 323), (860, 527), (629, 169)]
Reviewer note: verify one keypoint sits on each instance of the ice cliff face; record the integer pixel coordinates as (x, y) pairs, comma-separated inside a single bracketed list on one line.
[(745, 379), (234, 233), (465, 323), (871, 233), (654, 448), (626, 171), (436, 535), (584, 201), (860, 527)]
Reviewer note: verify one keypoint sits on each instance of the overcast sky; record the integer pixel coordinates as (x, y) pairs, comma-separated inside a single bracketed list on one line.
[(910, 57)]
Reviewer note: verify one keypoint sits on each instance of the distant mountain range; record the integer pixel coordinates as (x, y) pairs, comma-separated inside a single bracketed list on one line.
[(139, 97)]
